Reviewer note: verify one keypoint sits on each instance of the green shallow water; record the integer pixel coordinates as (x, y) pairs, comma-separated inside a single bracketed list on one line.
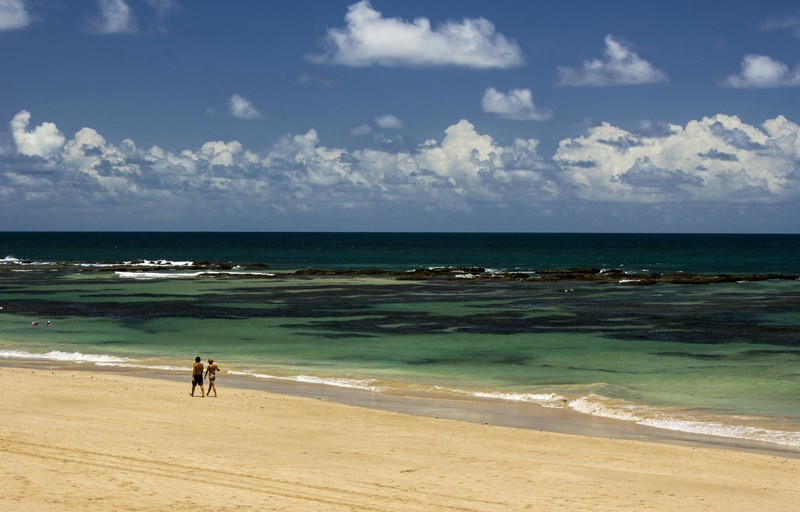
[(728, 349)]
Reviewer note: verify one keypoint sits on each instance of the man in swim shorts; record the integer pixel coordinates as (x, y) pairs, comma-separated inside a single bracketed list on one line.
[(197, 376)]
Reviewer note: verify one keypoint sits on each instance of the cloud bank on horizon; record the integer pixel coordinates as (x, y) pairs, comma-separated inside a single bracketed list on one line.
[(714, 159), (653, 175)]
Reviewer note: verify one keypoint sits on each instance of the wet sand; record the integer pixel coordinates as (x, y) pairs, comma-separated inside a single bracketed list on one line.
[(112, 441)]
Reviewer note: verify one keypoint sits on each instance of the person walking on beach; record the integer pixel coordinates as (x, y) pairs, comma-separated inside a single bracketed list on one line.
[(197, 376), (211, 374)]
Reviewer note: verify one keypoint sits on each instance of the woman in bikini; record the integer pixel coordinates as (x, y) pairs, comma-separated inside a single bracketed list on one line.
[(211, 375)]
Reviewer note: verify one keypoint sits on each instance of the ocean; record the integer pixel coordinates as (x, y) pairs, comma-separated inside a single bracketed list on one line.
[(715, 359)]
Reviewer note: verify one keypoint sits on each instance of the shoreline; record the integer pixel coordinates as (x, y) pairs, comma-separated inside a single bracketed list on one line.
[(94, 440), (471, 409)]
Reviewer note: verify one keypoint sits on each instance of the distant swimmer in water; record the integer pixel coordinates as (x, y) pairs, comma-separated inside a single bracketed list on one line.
[(211, 374), (35, 324), (197, 376), (49, 323)]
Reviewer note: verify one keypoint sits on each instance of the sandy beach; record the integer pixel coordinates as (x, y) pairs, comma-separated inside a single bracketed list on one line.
[(100, 441)]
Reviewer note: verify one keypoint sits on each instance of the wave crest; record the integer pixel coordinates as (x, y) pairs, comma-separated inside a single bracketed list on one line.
[(365, 384)]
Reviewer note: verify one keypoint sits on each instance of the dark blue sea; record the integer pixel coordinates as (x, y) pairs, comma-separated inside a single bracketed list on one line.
[(700, 253)]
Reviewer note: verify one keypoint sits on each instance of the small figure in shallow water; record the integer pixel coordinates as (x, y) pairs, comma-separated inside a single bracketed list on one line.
[(211, 374), (197, 376)]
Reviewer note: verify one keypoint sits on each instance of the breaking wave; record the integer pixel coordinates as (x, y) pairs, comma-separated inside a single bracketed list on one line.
[(80, 358), (142, 275), (598, 405), (365, 384)]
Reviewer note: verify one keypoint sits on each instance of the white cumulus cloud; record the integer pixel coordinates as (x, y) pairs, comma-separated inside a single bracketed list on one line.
[(717, 158), (220, 153), (481, 169), (43, 141), (13, 15), (462, 154), (115, 17), (88, 156), (370, 39), (515, 104), (619, 66), (242, 108), (388, 121), (466, 175), (762, 71)]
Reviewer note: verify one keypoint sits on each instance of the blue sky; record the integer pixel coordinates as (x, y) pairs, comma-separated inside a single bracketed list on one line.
[(380, 115)]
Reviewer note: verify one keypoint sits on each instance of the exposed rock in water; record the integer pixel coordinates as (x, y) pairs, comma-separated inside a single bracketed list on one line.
[(576, 275)]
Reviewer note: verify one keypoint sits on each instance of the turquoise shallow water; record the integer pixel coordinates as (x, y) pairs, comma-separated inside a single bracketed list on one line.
[(719, 359)]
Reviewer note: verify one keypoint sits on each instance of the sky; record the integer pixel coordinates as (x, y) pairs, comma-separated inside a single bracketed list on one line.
[(381, 115)]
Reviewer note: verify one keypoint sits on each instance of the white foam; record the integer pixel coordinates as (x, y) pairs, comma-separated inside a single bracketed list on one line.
[(144, 366), (143, 275), (732, 431), (595, 406), (79, 358), (11, 260), (336, 382), (57, 355), (592, 405), (140, 263), (157, 275), (159, 263), (544, 399)]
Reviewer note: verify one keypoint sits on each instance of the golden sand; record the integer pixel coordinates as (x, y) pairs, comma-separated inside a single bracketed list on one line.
[(75, 440)]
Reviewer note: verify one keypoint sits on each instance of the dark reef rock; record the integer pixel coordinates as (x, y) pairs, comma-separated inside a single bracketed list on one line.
[(594, 275), (579, 271), (438, 272), (575, 275)]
